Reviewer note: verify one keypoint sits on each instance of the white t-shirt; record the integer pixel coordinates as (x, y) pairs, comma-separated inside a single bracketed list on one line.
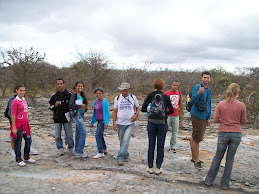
[(125, 107)]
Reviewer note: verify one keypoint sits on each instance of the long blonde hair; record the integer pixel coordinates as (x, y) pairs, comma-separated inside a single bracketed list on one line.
[(232, 91)]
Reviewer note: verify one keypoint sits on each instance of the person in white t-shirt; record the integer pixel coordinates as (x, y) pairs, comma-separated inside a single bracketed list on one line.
[(125, 115)]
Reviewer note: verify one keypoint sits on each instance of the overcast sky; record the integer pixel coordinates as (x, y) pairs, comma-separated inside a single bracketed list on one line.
[(171, 34)]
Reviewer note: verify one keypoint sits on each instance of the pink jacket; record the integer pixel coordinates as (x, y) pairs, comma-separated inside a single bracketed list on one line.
[(19, 109)]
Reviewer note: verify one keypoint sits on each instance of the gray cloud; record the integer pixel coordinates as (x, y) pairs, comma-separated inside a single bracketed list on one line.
[(167, 32)]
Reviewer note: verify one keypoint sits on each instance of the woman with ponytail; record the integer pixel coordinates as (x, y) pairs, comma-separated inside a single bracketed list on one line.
[(78, 102), (231, 114)]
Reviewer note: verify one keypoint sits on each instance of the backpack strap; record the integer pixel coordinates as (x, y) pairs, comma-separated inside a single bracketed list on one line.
[(128, 99), (207, 94)]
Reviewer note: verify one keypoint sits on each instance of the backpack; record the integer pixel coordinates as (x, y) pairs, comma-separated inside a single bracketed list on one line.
[(157, 110), (188, 104), (8, 109), (6, 112)]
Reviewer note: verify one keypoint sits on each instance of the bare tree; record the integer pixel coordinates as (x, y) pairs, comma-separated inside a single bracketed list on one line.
[(27, 67), (23, 64), (94, 68), (5, 79), (250, 93)]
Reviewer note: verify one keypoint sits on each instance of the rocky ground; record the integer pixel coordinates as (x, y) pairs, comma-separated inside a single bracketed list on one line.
[(66, 174)]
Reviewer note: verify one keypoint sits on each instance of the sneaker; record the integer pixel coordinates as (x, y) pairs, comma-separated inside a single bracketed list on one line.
[(120, 163), (33, 151), (99, 155), (126, 159), (61, 152), (193, 161), (198, 165), (206, 183), (158, 171), (13, 153), (30, 161), (224, 187), (84, 155), (21, 164), (172, 149), (150, 170), (105, 152)]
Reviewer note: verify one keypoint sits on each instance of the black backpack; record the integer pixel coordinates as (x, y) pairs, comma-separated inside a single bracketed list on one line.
[(6, 112), (157, 110), (188, 104)]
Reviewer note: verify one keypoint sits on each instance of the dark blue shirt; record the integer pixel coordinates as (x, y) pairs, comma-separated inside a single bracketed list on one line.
[(10, 104)]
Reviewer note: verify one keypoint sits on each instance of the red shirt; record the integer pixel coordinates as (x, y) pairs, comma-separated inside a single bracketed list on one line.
[(175, 99), (230, 116)]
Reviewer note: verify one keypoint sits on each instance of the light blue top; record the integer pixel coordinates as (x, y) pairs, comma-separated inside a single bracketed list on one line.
[(106, 114), (196, 99), (80, 98)]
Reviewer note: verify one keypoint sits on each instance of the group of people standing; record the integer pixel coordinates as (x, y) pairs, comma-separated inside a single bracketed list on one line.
[(164, 109)]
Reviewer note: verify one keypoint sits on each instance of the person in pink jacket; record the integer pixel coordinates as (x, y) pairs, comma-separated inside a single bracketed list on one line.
[(231, 114), (20, 126)]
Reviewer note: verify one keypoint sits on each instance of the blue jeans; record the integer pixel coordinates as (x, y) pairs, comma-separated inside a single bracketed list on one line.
[(226, 141), (68, 135), (156, 132), (173, 122), (99, 137), (124, 133), (80, 133), (18, 145)]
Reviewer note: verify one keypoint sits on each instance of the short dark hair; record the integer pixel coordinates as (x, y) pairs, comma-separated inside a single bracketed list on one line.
[(175, 80), (206, 73), (98, 89), (61, 79)]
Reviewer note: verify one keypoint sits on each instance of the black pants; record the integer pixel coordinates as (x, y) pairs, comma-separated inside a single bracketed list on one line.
[(156, 132)]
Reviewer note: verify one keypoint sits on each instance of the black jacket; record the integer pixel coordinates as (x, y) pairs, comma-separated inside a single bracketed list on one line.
[(151, 96), (59, 112), (72, 104)]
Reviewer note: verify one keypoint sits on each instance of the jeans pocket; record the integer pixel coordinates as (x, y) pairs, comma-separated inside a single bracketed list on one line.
[(222, 138), (81, 119), (237, 140)]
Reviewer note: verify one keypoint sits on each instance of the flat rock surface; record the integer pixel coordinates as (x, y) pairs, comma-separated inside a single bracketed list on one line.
[(65, 174)]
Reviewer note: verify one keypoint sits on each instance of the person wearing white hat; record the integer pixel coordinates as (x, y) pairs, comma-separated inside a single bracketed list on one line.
[(124, 117)]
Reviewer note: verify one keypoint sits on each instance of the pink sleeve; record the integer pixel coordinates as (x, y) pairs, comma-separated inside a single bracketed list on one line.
[(14, 107), (243, 116), (216, 115)]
